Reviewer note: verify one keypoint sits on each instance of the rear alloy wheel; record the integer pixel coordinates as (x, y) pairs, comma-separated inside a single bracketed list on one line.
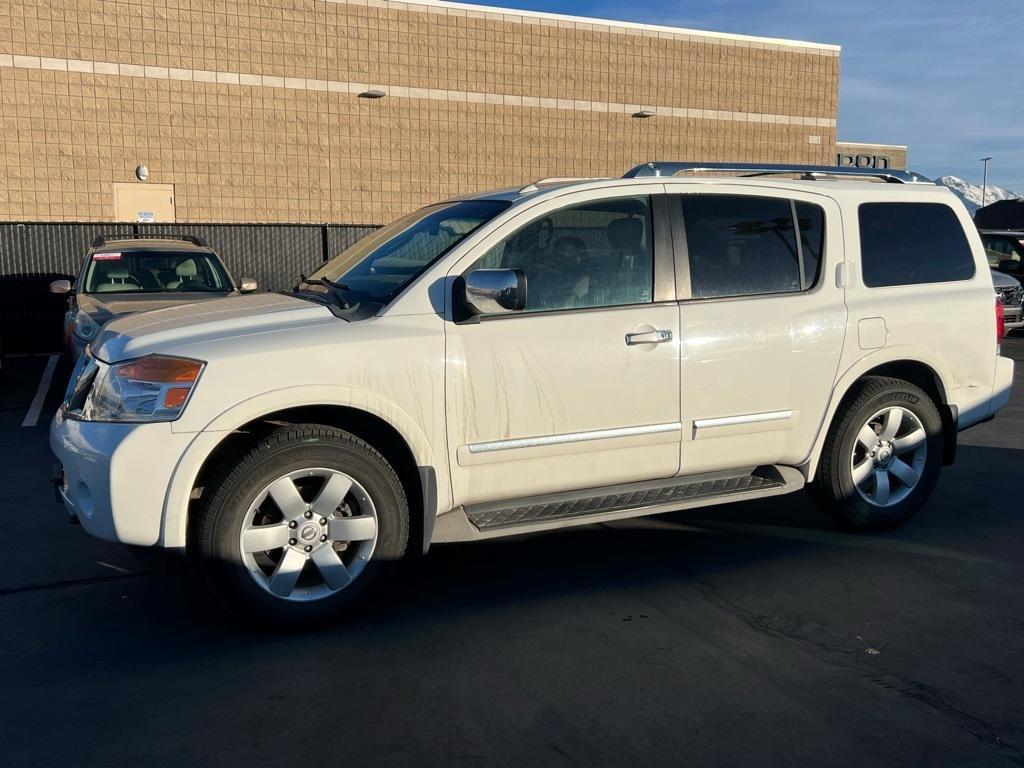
[(882, 455), (301, 526), (889, 456)]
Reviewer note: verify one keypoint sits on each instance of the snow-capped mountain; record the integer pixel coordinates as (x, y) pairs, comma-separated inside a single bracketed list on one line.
[(971, 193)]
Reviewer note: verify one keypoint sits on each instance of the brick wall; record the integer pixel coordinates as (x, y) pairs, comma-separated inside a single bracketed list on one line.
[(252, 110)]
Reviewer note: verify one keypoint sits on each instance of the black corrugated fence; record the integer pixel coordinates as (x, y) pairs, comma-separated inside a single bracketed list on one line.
[(34, 253)]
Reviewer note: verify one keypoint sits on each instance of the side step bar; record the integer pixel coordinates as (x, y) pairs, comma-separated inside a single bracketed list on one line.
[(504, 518)]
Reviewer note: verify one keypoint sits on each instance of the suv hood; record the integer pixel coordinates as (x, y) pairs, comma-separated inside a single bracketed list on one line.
[(165, 329), (102, 307), (1003, 280)]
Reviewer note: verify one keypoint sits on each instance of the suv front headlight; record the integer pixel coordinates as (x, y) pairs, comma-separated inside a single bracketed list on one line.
[(153, 388), (84, 327)]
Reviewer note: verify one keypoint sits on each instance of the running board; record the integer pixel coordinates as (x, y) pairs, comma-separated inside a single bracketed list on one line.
[(503, 518)]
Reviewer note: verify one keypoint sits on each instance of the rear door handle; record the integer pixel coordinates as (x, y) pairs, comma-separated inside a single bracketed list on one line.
[(648, 337)]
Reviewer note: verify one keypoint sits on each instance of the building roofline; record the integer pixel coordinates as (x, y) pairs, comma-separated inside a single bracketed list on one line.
[(589, 21), (869, 144)]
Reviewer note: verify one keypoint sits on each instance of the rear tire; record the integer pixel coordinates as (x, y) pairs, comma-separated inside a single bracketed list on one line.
[(882, 455), (301, 527)]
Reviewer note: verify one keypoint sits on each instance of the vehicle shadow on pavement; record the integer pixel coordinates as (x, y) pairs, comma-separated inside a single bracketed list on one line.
[(675, 550)]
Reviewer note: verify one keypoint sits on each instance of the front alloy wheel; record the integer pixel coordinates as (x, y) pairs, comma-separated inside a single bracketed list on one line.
[(309, 534), (300, 526)]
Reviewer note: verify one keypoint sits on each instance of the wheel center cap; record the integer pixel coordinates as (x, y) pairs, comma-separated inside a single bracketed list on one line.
[(309, 532), (884, 455)]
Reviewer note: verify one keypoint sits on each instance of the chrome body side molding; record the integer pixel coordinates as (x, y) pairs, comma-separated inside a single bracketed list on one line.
[(573, 437), (748, 418)]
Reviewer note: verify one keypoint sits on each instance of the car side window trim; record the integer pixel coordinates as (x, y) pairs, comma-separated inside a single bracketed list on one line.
[(665, 280), (799, 244), (680, 248), (565, 311)]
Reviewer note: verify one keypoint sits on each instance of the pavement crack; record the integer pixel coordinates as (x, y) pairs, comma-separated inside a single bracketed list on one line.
[(68, 583), (979, 728), (791, 629)]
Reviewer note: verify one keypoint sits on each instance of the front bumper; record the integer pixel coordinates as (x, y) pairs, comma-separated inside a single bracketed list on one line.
[(76, 348), (1013, 318), (115, 476)]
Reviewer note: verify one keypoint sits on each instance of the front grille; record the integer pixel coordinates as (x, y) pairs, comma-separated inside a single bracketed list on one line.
[(1010, 297)]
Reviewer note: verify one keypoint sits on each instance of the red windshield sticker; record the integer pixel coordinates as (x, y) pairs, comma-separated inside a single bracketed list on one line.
[(106, 256)]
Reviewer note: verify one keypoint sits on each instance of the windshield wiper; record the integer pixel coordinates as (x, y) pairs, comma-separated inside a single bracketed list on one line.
[(332, 284), (336, 291)]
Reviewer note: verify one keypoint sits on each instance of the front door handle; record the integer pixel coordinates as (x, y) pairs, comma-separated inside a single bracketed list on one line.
[(648, 337)]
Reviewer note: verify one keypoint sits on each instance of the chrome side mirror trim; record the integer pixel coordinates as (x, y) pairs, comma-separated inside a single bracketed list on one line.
[(494, 291), (60, 287), (247, 285)]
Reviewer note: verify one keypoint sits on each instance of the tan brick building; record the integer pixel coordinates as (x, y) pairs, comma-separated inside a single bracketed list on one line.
[(260, 111)]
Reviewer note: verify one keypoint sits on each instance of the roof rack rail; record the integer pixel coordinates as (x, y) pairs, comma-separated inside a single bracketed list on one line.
[(807, 172), (536, 185), (102, 240)]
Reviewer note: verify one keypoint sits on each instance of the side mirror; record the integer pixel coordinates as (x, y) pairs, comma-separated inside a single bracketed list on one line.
[(495, 291), (247, 285), (60, 287)]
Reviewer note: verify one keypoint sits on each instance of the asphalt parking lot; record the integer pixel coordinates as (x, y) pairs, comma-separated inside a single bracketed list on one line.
[(748, 635)]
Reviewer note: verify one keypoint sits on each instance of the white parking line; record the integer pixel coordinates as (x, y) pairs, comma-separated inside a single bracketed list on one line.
[(44, 385)]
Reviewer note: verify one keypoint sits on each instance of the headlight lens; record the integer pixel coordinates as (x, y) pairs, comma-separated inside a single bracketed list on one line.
[(84, 327), (153, 388)]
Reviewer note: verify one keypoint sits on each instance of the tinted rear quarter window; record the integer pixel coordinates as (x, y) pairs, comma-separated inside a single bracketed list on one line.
[(912, 243)]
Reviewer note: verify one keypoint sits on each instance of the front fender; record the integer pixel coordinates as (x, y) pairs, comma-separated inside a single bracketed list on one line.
[(175, 513)]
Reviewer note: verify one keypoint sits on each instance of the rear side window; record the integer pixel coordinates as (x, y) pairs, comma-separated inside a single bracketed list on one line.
[(911, 243), (743, 245)]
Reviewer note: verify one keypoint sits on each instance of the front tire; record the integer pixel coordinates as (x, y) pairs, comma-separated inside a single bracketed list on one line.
[(882, 455), (300, 527)]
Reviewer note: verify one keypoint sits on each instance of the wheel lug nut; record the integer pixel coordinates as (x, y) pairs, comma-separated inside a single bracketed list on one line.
[(323, 538), (307, 548), (291, 524), (293, 542), (323, 521), (308, 514)]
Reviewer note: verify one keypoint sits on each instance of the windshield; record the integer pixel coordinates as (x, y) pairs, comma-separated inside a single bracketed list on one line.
[(156, 271), (379, 266)]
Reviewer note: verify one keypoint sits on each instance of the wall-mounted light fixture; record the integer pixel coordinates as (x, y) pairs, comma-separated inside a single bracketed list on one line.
[(141, 172), (645, 113), (372, 93)]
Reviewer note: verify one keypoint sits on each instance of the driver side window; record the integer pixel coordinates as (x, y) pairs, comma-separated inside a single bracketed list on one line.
[(595, 254)]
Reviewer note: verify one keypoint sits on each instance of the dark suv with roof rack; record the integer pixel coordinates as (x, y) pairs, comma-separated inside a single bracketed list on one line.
[(121, 276)]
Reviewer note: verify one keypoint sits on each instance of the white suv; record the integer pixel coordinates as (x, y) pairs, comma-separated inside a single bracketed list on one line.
[(567, 353)]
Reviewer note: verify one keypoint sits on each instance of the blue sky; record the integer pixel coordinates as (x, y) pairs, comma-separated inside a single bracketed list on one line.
[(942, 76)]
